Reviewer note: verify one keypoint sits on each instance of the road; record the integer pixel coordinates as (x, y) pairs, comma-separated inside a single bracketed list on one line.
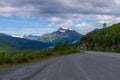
[(83, 66)]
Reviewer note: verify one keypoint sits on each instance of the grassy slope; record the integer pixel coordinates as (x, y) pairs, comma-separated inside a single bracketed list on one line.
[(7, 59), (23, 56), (8, 43), (106, 39)]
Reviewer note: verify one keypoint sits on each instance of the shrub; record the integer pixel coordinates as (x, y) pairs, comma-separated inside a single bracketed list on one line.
[(28, 55)]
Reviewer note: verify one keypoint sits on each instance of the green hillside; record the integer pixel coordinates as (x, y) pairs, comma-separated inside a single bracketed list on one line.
[(8, 43), (23, 56), (106, 39)]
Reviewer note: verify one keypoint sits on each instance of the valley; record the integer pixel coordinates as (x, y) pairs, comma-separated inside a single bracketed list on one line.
[(60, 40)]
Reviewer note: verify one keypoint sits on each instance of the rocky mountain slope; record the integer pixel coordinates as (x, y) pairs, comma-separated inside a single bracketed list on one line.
[(61, 35)]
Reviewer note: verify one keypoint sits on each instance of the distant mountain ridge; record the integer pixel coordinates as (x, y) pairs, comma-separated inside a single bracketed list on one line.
[(61, 35), (31, 37), (9, 43)]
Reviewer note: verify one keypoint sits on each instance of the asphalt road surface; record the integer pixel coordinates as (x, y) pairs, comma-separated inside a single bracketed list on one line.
[(83, 66)]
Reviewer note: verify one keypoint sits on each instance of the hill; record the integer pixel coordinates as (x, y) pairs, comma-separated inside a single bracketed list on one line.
[(106, 39), (8, 43), (61, 35)]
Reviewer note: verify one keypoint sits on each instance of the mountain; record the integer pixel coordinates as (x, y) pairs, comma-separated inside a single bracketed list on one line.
[(106, 39), (9, 43), (17, 36), (31, 37), (61, 35)]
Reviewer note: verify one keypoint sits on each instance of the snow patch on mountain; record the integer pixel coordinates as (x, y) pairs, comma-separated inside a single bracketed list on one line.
[(17, 36)]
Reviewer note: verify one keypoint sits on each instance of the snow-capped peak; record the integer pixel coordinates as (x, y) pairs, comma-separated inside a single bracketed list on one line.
[(16, 35), (62, 29), (71, 29)]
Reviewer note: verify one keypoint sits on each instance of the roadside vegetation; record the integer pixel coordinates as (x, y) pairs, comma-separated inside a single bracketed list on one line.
[(106, 39), (33, 55)]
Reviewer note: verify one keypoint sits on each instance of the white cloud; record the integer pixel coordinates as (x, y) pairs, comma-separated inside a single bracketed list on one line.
[(66, 11), (66, 24), (52, 25), (117, 2), (107, 19), (55, 19), (8, 11), (83, 25), (62, 10), (63, 7)]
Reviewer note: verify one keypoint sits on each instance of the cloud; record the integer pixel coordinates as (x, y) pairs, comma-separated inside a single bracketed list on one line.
[(83, 25), (55, 19), (61, 7), (67, 24), (66, 11), (8, 11), (52, 25), (107, 18), (60, 10)]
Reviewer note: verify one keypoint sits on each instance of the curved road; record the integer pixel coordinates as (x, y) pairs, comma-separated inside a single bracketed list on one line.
[(83, 66)]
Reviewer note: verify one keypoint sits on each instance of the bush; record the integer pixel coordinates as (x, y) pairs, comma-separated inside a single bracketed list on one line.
[(106, 39), (118, 50), (28, 55), (69, 51)]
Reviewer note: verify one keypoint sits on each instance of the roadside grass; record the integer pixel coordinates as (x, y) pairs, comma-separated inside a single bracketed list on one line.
[(8, 59)]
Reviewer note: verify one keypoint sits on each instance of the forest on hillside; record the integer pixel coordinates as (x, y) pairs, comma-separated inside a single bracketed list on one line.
[(105, 39)]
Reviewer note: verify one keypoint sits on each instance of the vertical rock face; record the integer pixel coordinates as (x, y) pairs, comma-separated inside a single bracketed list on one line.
[(106, 39), (62, 34)]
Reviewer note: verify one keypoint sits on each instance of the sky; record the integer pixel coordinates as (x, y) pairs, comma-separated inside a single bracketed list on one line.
[(37, 17)]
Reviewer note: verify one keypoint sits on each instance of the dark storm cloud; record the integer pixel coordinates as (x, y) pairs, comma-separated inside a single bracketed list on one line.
[(60, 7)]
